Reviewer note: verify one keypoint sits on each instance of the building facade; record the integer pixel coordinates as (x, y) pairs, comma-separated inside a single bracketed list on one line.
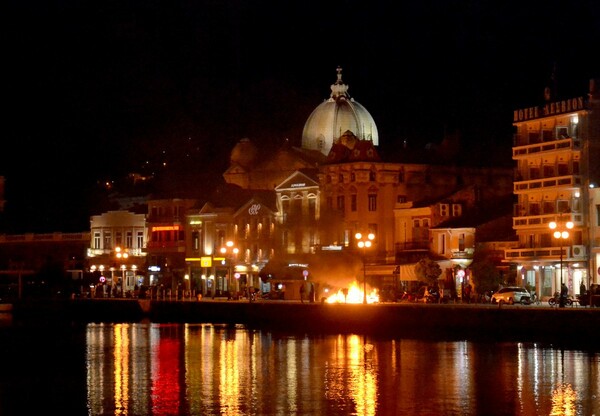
[(556, 151)]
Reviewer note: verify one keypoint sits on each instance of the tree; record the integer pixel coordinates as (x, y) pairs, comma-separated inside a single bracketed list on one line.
[(428, 270), (486, 275)]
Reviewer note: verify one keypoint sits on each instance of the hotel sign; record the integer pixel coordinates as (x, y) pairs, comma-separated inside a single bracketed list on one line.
[(550, 109)]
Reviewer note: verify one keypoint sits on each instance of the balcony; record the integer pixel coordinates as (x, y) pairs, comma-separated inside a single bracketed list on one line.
[(572, 253), (567, 181), (522, 152), (537, 221)]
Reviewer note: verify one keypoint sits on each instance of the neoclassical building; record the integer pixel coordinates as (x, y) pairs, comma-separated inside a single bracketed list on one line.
[(338, 184)]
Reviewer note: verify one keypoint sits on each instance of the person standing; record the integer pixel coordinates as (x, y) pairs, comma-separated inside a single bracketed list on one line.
[(302, 289), (564, 294)]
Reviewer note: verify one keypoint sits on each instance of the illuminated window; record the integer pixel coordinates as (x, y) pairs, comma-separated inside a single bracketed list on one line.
[(97, 240)]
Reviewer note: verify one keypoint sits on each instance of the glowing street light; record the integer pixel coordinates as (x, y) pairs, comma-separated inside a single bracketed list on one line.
[(363, 244), (561, 234), (232, 251)]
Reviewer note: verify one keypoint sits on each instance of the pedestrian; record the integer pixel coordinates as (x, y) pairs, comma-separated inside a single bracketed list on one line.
[(311, 294), (564, 294), (302, 289)]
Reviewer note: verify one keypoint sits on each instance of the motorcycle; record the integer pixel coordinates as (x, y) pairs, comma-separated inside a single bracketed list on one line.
[(555, 300)]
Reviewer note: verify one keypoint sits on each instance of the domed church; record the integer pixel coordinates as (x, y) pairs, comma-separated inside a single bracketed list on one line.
[(332, 118)]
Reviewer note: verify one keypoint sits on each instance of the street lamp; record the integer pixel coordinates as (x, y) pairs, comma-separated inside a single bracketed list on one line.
[(561, 234), (232, 252), (363, 244)]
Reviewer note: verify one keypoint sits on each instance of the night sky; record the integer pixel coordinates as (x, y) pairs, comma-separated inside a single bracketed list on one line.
[(95, 90)]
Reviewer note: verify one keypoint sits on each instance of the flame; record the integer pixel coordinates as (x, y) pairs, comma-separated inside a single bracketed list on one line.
[(355, 295)]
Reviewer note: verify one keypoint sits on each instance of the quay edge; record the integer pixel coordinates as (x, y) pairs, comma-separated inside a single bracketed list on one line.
[(510, 323)]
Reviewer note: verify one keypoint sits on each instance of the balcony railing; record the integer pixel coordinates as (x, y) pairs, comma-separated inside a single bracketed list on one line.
[(576, 252), (521, 187), (521, 152), (537, 221)]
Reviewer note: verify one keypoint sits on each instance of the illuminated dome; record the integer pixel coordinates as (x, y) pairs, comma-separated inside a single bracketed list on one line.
[(335, 116), (244, 153)]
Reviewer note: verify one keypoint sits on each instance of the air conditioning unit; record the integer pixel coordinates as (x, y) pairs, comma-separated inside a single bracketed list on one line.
[(578, 252)]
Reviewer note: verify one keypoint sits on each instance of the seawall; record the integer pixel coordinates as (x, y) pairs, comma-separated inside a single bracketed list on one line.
[(518, 322)]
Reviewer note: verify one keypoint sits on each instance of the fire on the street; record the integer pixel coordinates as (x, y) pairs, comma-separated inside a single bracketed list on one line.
[(353, 294)]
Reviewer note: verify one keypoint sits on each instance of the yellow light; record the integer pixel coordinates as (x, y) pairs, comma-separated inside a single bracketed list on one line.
[(552, 225)]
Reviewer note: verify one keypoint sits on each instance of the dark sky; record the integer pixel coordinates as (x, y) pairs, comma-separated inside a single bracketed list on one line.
[(95, 89)]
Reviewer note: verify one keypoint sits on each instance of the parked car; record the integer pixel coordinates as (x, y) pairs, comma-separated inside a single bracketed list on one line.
[(512, 295)]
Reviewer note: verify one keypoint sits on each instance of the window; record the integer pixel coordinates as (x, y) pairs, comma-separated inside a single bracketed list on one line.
[(534, 172), (129, 239), (353, 202), (401, 175), (563, 169), (562, 206), (548, 207), (461, 242), (534, 208), (547, 135), (444, 210), (456, 210), (373, 228), (562, 132), (340, 202), (372, 202), (195, 240), (442, 244), (372, 176), (341, 178), (534, 137), (416, 223), (352, 177), (597, 214), (140, 239), (548, 171), (107, 240), (401, 199), (546, 240), (96, 240), (425, 222), (119, 238), (329, 202)]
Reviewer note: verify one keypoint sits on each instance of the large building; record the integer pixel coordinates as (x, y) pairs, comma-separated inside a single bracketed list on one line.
[(557, 153)]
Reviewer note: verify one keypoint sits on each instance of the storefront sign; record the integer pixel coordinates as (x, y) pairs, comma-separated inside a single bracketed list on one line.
[(550, 109)]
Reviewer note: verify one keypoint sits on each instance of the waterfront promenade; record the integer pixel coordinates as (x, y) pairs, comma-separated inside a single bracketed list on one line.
[(473, 321)]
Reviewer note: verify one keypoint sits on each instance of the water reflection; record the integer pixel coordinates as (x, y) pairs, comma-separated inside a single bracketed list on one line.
[(151, 369), (138, 369)]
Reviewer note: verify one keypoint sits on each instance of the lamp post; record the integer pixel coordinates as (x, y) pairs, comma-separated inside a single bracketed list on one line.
[(122, 255), (364, 242), (561, 234), (231, 253)]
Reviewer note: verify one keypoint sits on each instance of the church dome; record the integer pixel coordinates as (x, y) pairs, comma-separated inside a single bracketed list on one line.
[(244, 153), (335, 116)]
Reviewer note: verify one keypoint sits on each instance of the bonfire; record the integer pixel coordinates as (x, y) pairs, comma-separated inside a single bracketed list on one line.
[(354, 294)]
